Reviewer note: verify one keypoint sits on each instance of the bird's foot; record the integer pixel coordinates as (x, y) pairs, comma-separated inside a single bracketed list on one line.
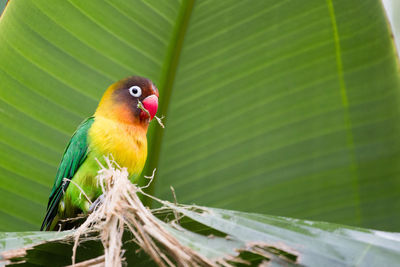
[(96, 203)]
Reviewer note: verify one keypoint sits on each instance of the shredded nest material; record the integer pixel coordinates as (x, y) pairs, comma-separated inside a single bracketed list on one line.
[(121, 208)]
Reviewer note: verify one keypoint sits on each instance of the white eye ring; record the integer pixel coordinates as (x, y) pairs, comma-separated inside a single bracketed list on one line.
[(135, 91)]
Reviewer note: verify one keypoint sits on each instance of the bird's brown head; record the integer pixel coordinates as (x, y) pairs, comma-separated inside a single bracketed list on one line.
[(122, 100)]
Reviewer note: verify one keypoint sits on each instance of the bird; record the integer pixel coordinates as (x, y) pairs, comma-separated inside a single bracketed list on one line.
[(117, 128)]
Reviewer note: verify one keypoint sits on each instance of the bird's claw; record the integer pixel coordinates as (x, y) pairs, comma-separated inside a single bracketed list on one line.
[(96, 203)]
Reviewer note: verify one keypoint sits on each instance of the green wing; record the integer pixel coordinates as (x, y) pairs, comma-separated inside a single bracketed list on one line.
[(74, 155)]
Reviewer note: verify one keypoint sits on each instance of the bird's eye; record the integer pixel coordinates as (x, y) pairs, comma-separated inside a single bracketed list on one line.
[(135, 91)]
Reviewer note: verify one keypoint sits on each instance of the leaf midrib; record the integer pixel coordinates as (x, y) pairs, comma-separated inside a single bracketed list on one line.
[(166, 83)]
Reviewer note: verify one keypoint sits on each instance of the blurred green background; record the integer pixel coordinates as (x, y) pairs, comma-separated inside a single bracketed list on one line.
[(286, 108)]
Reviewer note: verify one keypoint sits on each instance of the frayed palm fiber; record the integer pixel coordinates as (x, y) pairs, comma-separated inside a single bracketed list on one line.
[(121, 209)]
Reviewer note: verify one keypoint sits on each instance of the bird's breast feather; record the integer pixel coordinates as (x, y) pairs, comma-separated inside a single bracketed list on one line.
[(126, 143)]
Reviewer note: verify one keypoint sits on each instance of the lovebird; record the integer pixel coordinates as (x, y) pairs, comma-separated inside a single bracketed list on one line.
[(117, 128)]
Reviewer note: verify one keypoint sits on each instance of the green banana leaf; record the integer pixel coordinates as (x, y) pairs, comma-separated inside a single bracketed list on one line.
[(18, 240), (280, 241), (3, 4), (281, 107)]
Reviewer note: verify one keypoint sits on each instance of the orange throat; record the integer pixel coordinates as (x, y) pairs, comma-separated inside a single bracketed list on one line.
[(121, 113)]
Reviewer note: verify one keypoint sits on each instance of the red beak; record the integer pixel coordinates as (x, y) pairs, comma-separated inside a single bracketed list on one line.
[(150, 103)]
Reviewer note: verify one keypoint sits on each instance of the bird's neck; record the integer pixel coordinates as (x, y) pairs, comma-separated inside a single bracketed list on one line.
[(121, 114)]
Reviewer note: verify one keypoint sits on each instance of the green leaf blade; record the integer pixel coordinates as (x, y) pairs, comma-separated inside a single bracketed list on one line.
[(287, 108)]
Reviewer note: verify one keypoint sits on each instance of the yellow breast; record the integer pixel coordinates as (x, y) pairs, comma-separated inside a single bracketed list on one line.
[(127, 143)]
